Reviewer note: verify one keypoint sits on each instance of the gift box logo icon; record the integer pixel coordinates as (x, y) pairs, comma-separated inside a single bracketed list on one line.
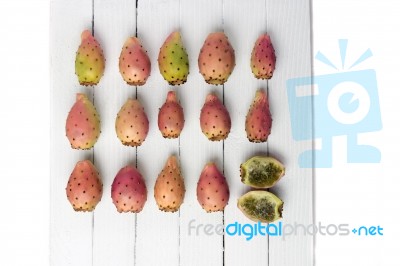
[(343, 103)]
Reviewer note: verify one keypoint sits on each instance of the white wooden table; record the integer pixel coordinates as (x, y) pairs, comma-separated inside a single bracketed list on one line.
[(151, 237)]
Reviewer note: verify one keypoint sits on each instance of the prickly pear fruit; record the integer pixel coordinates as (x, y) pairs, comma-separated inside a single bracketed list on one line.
[(263, 58), (216, 59), (261, 206), (261, 171), (84, 188), (169, 190), (215, 121), (128, 190), (170, 117), (173, 60), (132, 124), (89, 61), (83, 124), (258, 119), (212, 189), (134, 63)]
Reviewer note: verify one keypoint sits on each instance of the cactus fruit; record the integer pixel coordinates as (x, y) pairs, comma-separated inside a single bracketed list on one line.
[(216, 59), (128, 190), (215, 121), (170, 117), (89, 61), (173, 60), (169, 190), (261, 171), (212, 189), (83, 124), (134, 63), (84, 188), (261, 206), (263, 58), (258, 119), (132, 125)]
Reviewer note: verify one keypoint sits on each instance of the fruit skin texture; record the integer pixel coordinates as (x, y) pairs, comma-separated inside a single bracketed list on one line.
[(212, 189), (134, 63), (173, 60), (216, 59), (263, 58), (258, 119), (128, 190), (169, 190), (215, 121), (170, 117), (83, 124), (132, 125), (261, 172), (89, 61), (261, 206), (84, 188)]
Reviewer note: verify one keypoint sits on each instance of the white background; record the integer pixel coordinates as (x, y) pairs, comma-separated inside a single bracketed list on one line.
[(347, 193)]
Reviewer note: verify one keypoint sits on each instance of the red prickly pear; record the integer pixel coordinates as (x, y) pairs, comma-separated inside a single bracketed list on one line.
[(215, 121), (263, 58), (83, 124), (170, 117), (258, 119), (212, 189), (132, 124), (128, 190), (173, 60), (169, 190), (84, 188), (134, 63), (89, 61), (217, 59)]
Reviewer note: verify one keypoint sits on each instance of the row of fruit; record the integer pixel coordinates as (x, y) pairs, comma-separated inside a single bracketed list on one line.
[(129, 192), (132, 124), (216, 60)]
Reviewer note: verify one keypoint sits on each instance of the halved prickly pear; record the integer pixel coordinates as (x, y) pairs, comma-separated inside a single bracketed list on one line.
[(261, 206), (261, 171)]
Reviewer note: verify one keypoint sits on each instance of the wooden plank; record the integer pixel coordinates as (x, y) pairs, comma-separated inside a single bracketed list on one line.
[(239, 93), (289, 26), (157, 232), (71, 232), (114, 233), (198, 19)]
